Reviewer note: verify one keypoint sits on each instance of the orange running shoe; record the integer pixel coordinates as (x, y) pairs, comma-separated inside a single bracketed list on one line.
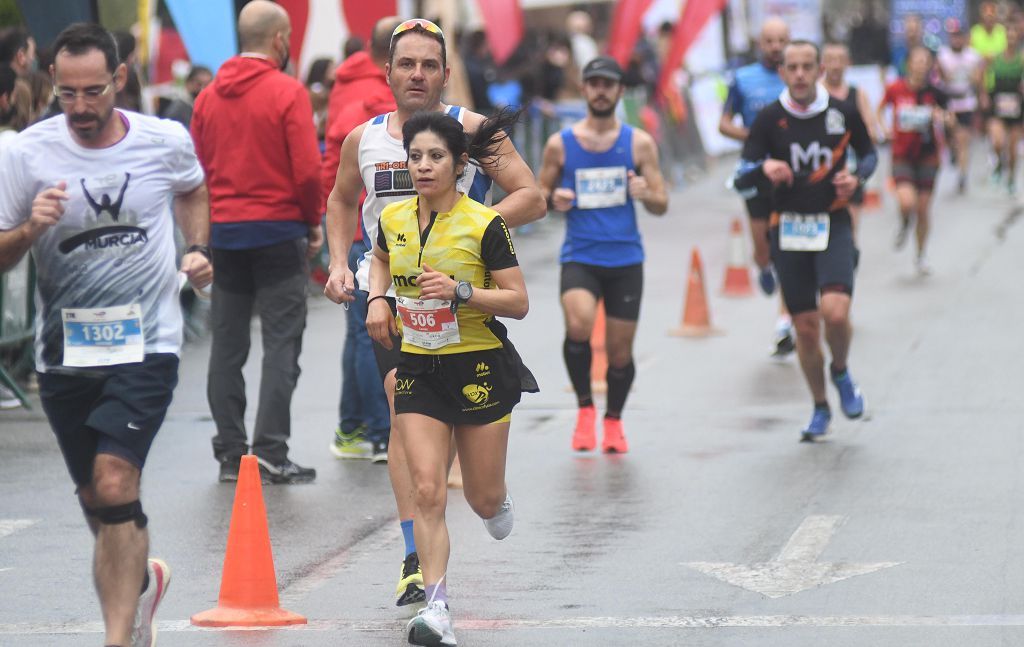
[(614, 440), (584, 438)]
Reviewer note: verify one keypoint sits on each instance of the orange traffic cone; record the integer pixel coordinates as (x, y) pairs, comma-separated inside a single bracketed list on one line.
[(696, 317), (248, 586), (872, 199), (599, 357), (737, 274)]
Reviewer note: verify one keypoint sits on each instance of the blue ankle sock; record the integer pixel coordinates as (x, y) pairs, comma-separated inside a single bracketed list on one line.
[(437, 591), (410, 540)]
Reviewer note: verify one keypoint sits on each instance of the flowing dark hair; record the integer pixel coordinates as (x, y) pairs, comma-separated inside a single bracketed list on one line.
[(482, 146)]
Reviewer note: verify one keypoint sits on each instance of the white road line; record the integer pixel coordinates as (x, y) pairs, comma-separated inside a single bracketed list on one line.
[(640, 622), (11, 526)]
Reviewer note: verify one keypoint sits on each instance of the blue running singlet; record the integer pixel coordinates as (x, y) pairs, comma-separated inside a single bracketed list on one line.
[(754, 87), (601, 227)]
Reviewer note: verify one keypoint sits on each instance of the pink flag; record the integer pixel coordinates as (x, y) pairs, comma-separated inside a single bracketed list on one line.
[(626, 26), (503, 23), (696, 14)]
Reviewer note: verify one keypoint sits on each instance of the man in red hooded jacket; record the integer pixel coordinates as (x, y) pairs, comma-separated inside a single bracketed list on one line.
[(254, 135), (360, 93)]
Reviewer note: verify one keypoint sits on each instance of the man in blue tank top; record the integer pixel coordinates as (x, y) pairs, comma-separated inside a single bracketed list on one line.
[(593, 171), (754, 87)]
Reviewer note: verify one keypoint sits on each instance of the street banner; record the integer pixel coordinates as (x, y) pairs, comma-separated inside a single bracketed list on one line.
[(802, 16), (207, 27), (503, 24), (933, 17), (320, 27), (695, 15), (627, 22)]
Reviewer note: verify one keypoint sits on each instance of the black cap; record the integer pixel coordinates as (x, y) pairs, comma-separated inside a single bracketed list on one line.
[(605, 67)]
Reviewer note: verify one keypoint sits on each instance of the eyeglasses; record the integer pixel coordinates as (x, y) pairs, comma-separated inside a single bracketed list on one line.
[(68, 96), (420, 24)]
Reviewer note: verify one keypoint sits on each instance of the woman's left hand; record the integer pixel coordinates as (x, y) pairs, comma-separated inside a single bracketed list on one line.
[(435, 285)]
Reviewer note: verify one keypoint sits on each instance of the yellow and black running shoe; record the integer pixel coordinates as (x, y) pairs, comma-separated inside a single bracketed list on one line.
[(410, 585)]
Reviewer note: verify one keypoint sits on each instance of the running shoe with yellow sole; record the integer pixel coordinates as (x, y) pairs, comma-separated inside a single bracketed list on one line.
[(410, 584)]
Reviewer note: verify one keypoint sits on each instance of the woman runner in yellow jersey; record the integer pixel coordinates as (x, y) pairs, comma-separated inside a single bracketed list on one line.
[(454, 270)]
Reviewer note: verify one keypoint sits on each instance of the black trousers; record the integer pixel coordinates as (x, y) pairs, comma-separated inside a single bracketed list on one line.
[(272, 282)]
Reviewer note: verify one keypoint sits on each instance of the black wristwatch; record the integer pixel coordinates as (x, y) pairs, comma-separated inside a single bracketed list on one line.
[(202, 249), (463, 292)]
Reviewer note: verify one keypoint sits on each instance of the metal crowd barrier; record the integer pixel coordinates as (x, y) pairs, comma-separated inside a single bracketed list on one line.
[(17, 323)]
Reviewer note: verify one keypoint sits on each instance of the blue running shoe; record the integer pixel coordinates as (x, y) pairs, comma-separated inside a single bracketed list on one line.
[(818, 426), (766, 279), (850, 399)]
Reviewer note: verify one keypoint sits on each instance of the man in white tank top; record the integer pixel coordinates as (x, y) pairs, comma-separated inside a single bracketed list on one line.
[(372, 158)]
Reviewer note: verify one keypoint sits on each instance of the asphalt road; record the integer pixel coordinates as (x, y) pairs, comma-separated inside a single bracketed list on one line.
[(718, 528)]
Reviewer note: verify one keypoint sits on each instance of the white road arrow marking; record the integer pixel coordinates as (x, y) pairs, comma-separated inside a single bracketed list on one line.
[(11, 526), (797, 567)]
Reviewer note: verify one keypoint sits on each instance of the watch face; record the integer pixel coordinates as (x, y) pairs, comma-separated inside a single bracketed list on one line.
[(463, 290)]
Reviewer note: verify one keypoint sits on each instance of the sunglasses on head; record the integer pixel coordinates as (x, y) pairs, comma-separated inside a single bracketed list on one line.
[(420, 24)]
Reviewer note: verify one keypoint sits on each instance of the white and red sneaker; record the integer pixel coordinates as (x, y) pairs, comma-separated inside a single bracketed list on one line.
[(144, 629)]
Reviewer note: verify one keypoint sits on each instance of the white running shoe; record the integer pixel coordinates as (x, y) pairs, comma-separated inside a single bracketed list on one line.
[(144, 629), (8, 400), (500, 525), (922, 266), (432, 626)]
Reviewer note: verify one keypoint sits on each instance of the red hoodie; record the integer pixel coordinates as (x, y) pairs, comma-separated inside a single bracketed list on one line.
[(254, 135), (360, 92)]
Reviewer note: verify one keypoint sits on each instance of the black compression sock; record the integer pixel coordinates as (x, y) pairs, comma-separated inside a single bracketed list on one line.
[(577, 360), (619, 381)]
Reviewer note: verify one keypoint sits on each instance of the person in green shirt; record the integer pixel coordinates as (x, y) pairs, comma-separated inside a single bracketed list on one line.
[(1004, 106)]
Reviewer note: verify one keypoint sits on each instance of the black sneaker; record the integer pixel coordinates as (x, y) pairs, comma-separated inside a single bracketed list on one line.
[(380, 453), (229, 470), (285, 473), (410, 583)]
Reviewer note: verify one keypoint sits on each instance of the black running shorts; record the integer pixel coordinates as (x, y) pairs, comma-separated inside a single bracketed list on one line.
[(620, 287), (474, 388), (387, 360), (920, 172), (759, 207), (115, 410), (803, 275)]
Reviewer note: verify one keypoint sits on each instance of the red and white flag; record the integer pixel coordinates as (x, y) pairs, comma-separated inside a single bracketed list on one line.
[(320, 27), (695, 16), (503, 24), (627, 23)]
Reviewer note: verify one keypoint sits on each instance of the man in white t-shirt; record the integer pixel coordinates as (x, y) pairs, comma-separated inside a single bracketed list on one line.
[(961, 70), (94, 193)]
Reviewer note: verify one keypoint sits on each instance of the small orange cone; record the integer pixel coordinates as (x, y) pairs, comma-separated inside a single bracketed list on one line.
[(599, 357), (696, 317), (248, 586), (872, 199), (737, 274)]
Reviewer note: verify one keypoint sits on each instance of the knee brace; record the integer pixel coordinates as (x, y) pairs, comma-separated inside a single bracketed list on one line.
[(113, 515)]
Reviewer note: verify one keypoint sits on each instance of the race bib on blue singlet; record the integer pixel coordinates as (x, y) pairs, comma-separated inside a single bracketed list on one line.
[(597, 188)]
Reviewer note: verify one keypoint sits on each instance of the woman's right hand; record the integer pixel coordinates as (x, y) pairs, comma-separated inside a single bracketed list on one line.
[(380, 322)]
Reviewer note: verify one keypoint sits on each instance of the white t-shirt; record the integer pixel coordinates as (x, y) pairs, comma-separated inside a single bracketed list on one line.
[(958, 69), (114, 245)]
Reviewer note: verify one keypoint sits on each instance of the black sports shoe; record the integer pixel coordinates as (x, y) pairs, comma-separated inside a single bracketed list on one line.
[(410, 584), (229, 470), (285, 473), (380, 453)]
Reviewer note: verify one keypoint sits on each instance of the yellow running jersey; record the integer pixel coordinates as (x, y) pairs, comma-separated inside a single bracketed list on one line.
[(465, 243)]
